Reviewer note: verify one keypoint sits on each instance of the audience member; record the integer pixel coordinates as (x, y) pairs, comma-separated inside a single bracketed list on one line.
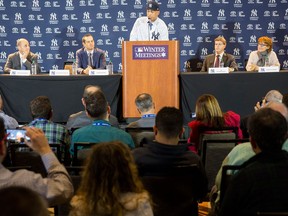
[(285, 99), (100, 130), (80, 119), (166, 152), (110, 184), (220, 58), (89, 57), (10, 122), (146, 108), (272, 95), (41, 111), (17, 200), (22, 59), (209, 113), (150, 27), (263, 56), (56, 188), (242, 153), (261, 186)]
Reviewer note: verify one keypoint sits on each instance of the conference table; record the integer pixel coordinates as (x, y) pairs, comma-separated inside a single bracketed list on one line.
[(65, 93), (237, 91)]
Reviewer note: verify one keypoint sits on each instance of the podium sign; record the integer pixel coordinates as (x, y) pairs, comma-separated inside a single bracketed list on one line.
[(150, 67), (20, 72)]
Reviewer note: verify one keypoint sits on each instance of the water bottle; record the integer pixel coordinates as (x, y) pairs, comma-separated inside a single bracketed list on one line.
[(74, 68), (110, 67), (33, 68)]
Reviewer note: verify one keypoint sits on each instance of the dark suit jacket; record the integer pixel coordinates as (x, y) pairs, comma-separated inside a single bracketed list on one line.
[(228, 59), (99, 60), (13, 62)]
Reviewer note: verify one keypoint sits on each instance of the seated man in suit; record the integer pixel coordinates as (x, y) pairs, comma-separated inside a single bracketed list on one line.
[(219, 58), (89, 57), (100, 129), (22, 59), (146, 108), (80, 119)]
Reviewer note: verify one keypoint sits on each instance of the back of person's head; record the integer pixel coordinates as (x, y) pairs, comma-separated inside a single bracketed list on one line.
[(208, 111), (266, 40), (90, 89), (268, 128), (16, 201), (96, 105), (274, 95), (285, 99), (144, 102), (169, 122), (220, 38), (280, 107), (40, 107), (109, 172)]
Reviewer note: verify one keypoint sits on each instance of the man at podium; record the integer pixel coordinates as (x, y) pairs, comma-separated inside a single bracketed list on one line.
[(150, 27)]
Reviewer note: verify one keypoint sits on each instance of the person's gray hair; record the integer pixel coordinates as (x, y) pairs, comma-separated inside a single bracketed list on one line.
[(144, 102), (278, 106), (274, 95)]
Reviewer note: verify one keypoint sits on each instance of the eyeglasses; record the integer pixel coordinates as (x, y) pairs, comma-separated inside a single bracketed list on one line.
[(262, 45)]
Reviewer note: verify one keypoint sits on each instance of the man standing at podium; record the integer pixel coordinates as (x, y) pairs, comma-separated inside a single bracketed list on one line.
[(150, 27)]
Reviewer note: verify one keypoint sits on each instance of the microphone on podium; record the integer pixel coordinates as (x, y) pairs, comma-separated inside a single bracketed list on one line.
[(149, 28)]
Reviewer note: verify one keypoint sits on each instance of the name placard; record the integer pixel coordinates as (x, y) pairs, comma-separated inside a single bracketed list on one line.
[(268, 69), (219, 70), (20, 72), (59, 72), (98, 72)]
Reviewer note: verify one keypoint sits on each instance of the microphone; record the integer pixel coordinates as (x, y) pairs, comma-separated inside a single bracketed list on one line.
[(149, 28)]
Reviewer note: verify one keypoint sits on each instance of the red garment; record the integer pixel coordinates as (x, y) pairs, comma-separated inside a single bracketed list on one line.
[(231, 119)]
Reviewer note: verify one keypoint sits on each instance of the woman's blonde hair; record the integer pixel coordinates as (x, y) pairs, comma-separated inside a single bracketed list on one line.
[(208, 111), (109, 172)]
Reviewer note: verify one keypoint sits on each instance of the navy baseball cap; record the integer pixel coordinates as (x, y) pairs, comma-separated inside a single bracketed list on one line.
[(152, 5)]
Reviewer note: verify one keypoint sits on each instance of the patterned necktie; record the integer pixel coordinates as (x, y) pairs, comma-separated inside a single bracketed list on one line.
[(217, 62)]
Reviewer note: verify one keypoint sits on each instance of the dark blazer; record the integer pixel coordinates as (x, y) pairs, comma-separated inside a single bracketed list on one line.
[(228, 59), (13, 62), (99, 60)]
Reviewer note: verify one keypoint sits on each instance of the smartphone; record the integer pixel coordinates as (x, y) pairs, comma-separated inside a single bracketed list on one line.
[(17, 135), (193, 115)]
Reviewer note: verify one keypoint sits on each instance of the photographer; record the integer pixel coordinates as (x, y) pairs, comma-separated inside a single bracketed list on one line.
[(56, 188)]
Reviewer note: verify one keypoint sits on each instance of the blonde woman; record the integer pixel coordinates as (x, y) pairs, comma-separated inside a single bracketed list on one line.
[(209, 113), (110, 184)]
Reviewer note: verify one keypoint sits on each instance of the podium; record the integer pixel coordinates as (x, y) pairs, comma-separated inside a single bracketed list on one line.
[(150, 67)]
